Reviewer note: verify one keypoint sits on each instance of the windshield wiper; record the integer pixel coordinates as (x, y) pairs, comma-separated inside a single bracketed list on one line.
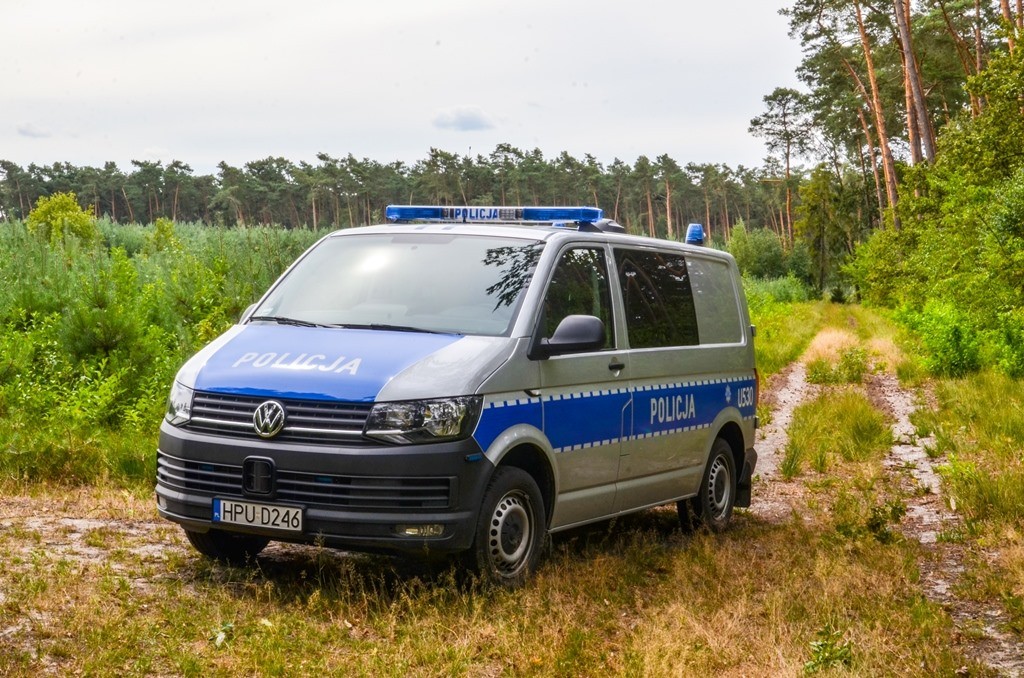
[(389, 328), (281, 320)]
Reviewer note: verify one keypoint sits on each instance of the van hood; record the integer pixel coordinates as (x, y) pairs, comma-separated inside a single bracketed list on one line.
[(353, 365)]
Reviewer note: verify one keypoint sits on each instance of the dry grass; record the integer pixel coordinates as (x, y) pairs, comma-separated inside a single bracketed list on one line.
[(637, 597), (829, 345)]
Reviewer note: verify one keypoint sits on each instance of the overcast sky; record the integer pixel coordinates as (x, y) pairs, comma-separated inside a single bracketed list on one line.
[(211, 80)]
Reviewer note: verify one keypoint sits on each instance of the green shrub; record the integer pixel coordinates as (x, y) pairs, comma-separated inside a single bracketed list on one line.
[(162, 237), (758, 252), (830, 651), (1011, 343), (951, 342), (785, 290), (58, 216)]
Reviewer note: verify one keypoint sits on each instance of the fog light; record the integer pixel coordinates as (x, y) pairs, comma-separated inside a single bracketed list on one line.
[(161, 502), (420, 530)]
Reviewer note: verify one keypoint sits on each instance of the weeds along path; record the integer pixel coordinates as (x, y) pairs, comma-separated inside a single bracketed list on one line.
[(927, 517)]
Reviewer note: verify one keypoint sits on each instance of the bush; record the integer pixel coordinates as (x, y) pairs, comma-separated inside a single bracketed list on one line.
[(58, 216), (952, 345), (1010, 343), (785, 290), (758, 253)]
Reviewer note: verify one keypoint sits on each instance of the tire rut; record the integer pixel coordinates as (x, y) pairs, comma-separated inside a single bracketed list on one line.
[(927, 518)]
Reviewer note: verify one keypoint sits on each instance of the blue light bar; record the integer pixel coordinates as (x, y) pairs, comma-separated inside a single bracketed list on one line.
[(491, 214)]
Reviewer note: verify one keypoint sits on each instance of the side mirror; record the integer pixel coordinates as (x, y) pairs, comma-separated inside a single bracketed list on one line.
[(575, 333)]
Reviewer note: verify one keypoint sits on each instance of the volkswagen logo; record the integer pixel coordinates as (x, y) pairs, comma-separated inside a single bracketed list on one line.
[(268, 420)]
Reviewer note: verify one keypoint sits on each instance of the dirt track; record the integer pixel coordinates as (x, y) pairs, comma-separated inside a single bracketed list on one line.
[(927, 513)]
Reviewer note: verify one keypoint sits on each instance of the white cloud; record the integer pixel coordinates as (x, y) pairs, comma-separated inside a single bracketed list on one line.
[(463, 119), (31, 131)]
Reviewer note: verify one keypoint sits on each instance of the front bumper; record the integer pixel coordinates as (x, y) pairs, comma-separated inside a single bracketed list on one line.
[(354, 497)]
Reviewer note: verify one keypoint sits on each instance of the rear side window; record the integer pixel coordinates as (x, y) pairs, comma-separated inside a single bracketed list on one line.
[(658, 298), (714, 295)]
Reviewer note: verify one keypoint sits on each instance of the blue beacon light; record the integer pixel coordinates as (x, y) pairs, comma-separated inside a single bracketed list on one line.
[(694, 234)]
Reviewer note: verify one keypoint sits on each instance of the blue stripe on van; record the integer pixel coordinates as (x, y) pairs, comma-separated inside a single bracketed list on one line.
[(498, 417), (575, 421)]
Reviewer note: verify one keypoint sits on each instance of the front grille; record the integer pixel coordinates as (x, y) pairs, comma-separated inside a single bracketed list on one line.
[(198, 477), (307, 421), (365, 492), (311, 489)]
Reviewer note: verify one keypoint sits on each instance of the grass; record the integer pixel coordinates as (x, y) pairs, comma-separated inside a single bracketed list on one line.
[(637, 597), (979, 426), (783, 332), (840, 425)]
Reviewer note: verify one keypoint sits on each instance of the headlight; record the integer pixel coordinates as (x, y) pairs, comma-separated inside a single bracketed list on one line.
[(423, 421), (179, 405)]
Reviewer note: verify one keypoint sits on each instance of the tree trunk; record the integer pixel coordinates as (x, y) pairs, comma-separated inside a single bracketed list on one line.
[(912, 83), (668, 210), (978, 43), (131, 212), (1004, 5), (707, 212), (650, 213), (888, 164), (874, 161), (21, 200), (913, 138), (618, 195)]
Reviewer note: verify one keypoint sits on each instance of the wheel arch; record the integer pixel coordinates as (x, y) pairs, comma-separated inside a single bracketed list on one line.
[(532, 460), (732, 434)]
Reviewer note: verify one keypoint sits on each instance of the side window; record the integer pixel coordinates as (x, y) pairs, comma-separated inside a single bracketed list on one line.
[(658, 299), (714, 295), (579, 286)]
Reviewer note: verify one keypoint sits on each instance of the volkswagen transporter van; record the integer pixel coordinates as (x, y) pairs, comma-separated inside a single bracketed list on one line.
[(467, 380)]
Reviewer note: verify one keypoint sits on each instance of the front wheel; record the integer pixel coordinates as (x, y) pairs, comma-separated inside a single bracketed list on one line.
[(712, 507), (235, 549), (510, 530)]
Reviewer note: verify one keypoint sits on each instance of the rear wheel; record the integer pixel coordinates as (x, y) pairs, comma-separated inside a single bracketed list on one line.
[(235, 549), (510, 530), (712, 507)]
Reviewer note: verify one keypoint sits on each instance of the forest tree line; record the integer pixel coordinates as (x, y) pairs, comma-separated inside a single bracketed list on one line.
[(658, 197)]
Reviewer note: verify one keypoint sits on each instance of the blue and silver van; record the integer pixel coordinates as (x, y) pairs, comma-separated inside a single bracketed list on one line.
[(467, 380)]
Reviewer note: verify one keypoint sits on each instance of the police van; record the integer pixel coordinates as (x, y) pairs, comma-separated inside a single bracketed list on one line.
[(467, 380)]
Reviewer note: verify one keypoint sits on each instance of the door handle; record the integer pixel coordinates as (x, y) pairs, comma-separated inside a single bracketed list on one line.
[(615, 365)]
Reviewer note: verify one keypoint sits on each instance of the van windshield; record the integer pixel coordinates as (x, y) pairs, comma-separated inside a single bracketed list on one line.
[(458, 284)]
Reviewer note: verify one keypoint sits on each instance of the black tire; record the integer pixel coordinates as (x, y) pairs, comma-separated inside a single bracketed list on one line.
[(511, 529), (712, 508), (234, 549)]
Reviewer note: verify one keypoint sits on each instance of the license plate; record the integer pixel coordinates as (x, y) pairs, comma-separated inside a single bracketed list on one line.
[(250, 514)]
